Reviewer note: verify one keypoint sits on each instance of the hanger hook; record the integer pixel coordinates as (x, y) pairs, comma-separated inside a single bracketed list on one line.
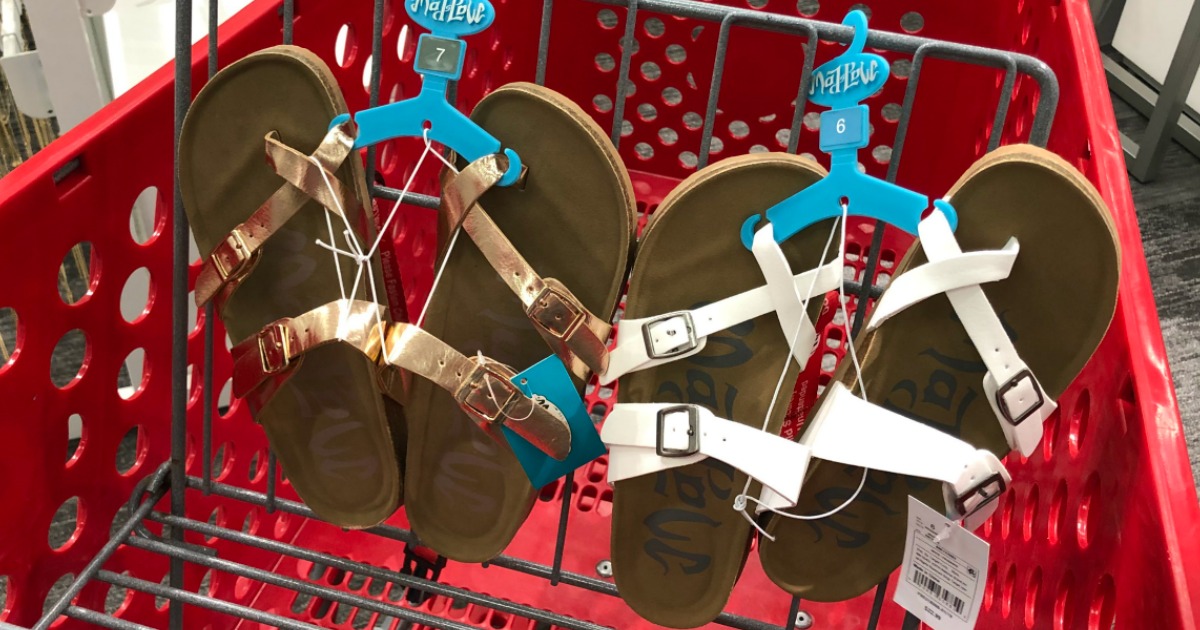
[(857, 20)]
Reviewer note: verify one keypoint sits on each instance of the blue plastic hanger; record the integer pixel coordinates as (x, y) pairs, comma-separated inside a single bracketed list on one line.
[(439, 58), (842, 84)]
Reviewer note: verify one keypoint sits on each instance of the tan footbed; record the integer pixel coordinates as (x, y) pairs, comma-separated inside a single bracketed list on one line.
[(677, 543), (1057, 304), (573, 220), (339, 441)]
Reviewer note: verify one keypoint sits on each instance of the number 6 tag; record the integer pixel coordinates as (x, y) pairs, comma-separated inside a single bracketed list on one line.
[(844, 128)]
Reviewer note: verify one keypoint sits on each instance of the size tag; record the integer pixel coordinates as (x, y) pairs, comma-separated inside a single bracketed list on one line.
[(844, 128), (440, 56), (944, 570), (548, 378)]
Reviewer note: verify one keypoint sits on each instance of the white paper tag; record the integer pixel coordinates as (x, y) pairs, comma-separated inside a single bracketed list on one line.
[(944, 570)]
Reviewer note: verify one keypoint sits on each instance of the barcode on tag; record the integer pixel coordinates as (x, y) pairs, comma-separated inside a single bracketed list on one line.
[(944, 570), (937, 590)]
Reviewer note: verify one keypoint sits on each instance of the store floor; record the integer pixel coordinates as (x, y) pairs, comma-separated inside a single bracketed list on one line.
[(1169, 215)]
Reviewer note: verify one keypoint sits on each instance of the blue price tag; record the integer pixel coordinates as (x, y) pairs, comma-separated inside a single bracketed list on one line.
[(549, 378), (844, 128)]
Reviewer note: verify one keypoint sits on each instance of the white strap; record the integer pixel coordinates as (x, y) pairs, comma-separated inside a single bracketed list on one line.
[(646, 438), (1014, 393), (649, 341), (849, 430), (789, 299), (953, 272)]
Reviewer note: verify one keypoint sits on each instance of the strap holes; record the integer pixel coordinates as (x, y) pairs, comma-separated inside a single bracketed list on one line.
[(441, 363)]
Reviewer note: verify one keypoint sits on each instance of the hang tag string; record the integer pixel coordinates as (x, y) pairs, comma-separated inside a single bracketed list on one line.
[(742, 500), (355, 253), (492, 394), (354, 250), (739, 501)]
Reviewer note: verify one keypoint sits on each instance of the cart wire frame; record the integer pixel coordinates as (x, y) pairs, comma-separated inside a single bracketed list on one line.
[(171, 480)]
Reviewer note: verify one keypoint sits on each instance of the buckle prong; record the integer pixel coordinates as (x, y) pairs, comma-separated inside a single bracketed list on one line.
[(693, 418), (982, 489), (233, 247), (555, 312), (685, 345), (477, 399), (274, 348), (1011, 384)]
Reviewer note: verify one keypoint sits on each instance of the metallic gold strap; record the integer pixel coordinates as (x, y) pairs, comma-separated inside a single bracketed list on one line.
[(576, 335), (482, 388), (298, 169), (461, 192), (232, 260), (262, 363)]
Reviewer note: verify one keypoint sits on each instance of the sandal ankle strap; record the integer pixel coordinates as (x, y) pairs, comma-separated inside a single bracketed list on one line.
[(849, 430), (482, 388), (263, 362)]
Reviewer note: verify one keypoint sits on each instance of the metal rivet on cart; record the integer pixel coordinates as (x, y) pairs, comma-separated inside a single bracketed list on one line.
[(604, 569), (803, 620)]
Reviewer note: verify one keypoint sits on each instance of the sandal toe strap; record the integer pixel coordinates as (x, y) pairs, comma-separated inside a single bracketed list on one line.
[(235, 256), (575, 334)]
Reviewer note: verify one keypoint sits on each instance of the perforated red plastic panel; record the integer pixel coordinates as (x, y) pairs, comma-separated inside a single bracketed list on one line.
[(1100, 527)]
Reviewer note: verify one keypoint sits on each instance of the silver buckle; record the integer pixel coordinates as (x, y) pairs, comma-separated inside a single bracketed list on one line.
[(984, 490), (1012, 383), (693, 418), (686, 344)]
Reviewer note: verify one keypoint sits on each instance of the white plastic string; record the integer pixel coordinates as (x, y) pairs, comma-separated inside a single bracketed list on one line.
[(741, 500), (492, 394), (336, 263), (363, 261), (355, 249), (454, 239)]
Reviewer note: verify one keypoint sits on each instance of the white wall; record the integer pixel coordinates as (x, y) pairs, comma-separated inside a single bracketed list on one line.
[(1148, 34), (141, 35)]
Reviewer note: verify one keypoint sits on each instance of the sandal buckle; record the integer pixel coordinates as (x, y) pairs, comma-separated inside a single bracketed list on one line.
[(475, 395), (1021, 378), (275, 348), (670, 335), (556, 312), (232, 256), (986, 491), (692, 414)]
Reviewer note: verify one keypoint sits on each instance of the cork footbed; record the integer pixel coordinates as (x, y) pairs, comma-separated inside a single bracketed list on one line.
[(1057, 304), (677, 543), (339, 441), (573, 220)]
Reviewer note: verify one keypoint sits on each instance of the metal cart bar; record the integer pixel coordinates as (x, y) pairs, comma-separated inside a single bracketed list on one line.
[(1165, 105), (172, 479)]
